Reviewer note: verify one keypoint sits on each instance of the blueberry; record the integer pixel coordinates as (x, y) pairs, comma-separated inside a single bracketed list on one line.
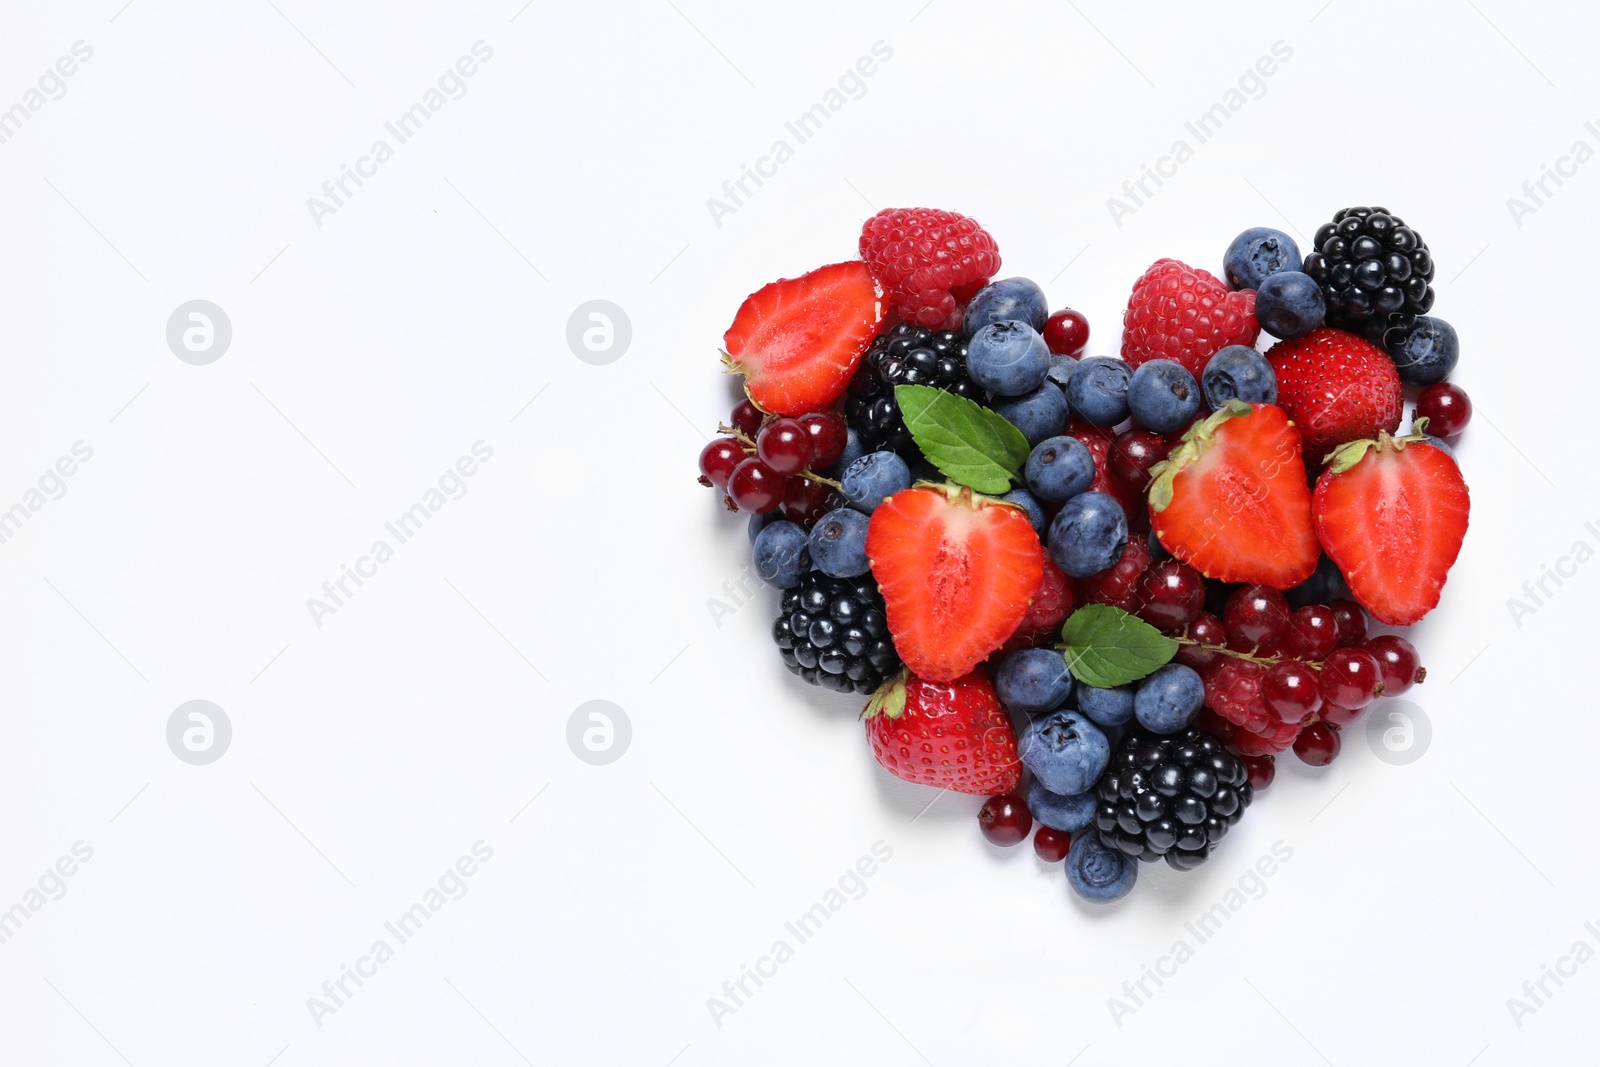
[(1040, 414), (1030, 505), (1008, 298), (873, 477), (839, 543), (1098, 391), (1069, 813), (780, 554), (1163, 396), (1169, 698), (1107, 707), (1239, 372), (1324, 586), (1290, 304), (1257, 253), (1065, 751), (1033, 681), (1061, 368), (759, 522), (1087, 535), (1440, 444), (1059, 469), (1098, 873), (854, 449), (1425, 352), (1008, 358)]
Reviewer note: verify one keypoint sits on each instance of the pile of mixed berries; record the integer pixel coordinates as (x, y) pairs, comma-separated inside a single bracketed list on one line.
[(1102, 592)]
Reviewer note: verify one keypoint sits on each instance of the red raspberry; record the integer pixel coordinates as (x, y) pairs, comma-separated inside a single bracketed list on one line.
[(1051, 605), (1185, 314), (1233, 690), (930, 262), (1248, 744), (1118, 584)]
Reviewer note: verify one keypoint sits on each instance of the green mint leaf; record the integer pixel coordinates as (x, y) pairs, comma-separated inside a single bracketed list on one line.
[(1105, 646), (967, 442)]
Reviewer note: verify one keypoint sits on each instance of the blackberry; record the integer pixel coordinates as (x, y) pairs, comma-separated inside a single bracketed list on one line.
[(833, 633), (1374, 271), (905, 355), (1171, 796)]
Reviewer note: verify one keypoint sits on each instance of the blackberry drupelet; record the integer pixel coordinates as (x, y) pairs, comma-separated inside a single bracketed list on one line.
[(905, 355), (1171, 796), (833, 633), (1374, 271)]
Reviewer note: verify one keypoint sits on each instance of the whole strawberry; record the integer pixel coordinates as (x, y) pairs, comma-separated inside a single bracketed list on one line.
[(1337, 388), (1182, 313), (950, 735), (931, 262)]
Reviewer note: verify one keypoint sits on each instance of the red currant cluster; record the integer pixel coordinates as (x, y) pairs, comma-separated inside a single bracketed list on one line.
[(763, 464), (1277, 678)]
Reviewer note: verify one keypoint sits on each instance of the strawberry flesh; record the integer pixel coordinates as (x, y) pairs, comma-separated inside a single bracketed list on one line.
[(1232, 500), (957, 572), (1394, 523), (799, 340)]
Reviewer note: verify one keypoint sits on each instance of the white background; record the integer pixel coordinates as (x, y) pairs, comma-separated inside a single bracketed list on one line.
[(371, 352)]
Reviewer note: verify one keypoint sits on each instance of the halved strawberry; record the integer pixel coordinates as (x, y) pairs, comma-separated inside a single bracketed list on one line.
[(957, 571), (1232, 502), (799, 340), (950, 735), (1392, 514)]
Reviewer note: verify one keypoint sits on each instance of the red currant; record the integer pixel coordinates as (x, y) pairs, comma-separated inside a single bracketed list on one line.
[(1317, 744), (1291, 691), (1352, 622), (1399, 662), (784, 446), (1262, 770), (1005, 819), (1313, 633), (1446, 407), (1340, 716), (718, 459), (747, 419), (805, 501), (1051, 844), (756, 487), (827, 434), (1133, 453), (1351, 678), (1208, 630), (1256, 616), (1066, 332), (1172, 594)]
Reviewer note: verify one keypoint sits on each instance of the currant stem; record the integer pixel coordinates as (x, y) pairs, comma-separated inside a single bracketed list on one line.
[(1261, 661), (750, 450)]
